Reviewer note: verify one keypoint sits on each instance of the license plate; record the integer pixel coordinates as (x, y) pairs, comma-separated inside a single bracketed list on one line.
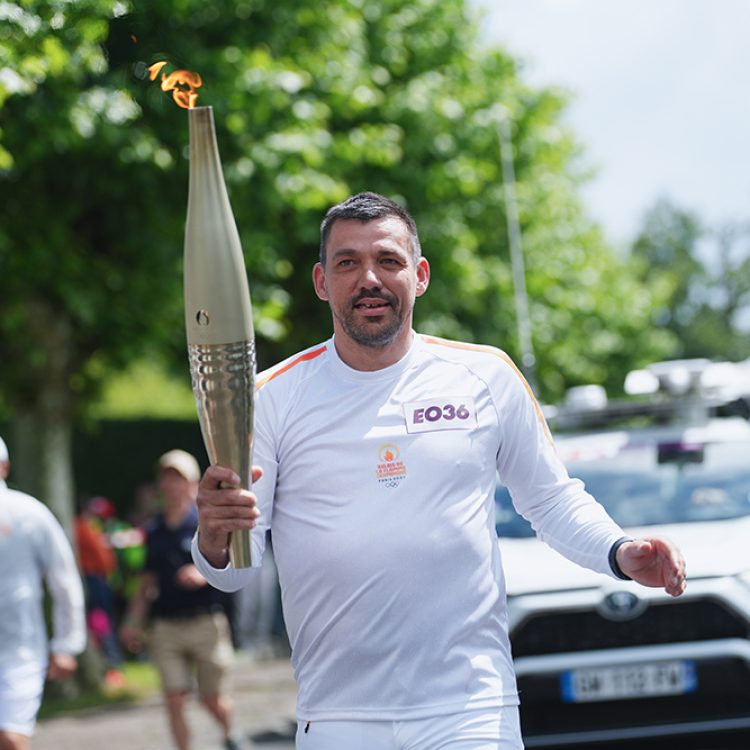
[(628, 681)]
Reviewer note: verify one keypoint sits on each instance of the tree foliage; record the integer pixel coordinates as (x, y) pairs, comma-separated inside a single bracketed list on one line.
[(705, 273), (312, 102), (87, 244)]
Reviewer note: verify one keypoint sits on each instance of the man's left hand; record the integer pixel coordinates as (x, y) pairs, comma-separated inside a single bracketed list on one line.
[(655, 562), (188, 577)]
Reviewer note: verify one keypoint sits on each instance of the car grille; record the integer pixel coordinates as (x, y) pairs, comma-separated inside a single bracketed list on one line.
[(672, 622)]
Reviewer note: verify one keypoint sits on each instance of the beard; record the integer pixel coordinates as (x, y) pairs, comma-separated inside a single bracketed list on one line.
[(376, 332)]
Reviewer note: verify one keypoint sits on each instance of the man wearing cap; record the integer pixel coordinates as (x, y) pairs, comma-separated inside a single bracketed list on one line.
[(188, 627), (33, 551)]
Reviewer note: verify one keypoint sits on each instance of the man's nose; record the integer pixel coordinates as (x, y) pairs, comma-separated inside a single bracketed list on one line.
[(370, 276)]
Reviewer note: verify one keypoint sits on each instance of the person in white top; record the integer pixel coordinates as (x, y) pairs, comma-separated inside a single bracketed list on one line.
[(377, 454), (33, 551)]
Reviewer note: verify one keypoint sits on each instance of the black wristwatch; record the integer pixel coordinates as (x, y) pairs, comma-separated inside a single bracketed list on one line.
[(613, 558)]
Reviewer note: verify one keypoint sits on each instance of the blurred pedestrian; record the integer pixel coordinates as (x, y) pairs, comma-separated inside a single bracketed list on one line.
[(189, 635), (128, 544), (98, 563), (378, 453), (34, 552)]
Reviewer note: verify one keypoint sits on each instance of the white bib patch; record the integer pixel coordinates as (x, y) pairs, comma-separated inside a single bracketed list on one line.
[(440, 413)]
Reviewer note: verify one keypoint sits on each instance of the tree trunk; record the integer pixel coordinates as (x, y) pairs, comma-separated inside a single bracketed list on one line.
[(41, 449), (42, 458)]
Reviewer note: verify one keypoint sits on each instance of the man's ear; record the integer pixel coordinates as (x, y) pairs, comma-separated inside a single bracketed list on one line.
[(423, 276), (319, 281)]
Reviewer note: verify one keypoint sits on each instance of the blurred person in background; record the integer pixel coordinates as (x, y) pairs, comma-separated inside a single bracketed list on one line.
[(188, 635), (378, 451), (34, 552), (98, 563), (128, 542)]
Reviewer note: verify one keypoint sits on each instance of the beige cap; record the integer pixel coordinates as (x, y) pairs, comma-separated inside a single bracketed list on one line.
[(181, 461)]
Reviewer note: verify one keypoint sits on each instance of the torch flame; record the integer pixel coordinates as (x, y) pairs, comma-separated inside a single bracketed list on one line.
[(182, 84)]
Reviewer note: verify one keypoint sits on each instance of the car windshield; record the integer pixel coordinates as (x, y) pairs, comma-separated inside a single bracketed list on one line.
[(649, 484)]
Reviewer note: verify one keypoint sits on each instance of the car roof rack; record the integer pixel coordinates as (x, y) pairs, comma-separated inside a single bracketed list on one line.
[(674, 392)]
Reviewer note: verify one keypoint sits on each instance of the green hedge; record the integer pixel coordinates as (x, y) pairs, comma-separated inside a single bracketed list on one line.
[(114, 457)]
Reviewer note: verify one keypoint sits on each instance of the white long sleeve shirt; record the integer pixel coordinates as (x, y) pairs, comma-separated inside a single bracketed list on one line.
[(379, 490), (34, 550)]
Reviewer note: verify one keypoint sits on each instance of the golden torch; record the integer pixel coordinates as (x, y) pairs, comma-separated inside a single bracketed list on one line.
[(218, 313)]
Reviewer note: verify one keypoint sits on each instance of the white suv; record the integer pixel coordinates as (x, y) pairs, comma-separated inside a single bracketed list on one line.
[(600, 660)]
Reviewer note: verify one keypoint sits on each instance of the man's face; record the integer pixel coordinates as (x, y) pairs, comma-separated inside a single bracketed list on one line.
[(174, 487), (370, 279)]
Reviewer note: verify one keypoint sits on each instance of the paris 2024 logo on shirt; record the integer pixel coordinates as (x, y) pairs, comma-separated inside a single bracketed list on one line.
[(390, 469)]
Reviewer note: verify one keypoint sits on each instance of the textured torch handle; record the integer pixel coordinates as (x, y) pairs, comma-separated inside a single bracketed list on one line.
[(223, 383)]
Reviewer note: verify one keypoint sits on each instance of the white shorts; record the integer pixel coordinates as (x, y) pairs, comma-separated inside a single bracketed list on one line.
[(481, 729), (21, 687)]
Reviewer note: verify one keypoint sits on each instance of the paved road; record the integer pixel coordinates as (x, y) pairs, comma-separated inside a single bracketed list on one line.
[(264, 713), (264, 694)]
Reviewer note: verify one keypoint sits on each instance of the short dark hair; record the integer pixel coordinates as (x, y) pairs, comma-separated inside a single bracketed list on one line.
[(367, 207)]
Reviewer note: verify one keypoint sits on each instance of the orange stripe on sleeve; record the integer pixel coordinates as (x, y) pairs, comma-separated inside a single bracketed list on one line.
[(502, 355), (302, 358)]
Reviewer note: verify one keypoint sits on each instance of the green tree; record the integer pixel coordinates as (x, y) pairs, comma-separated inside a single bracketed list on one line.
[(706, 275), (720, 326), (312, 102), (86, 252)]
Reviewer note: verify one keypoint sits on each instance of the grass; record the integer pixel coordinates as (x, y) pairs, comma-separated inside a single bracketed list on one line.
[(146, 389), (140, 681)]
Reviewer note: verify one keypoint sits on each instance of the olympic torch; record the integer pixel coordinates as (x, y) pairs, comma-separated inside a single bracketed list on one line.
[(218, 317), (218, 313)]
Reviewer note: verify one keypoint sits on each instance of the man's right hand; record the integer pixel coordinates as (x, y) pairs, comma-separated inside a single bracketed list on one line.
[(223, 507), (61, 666), (131, 636)]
